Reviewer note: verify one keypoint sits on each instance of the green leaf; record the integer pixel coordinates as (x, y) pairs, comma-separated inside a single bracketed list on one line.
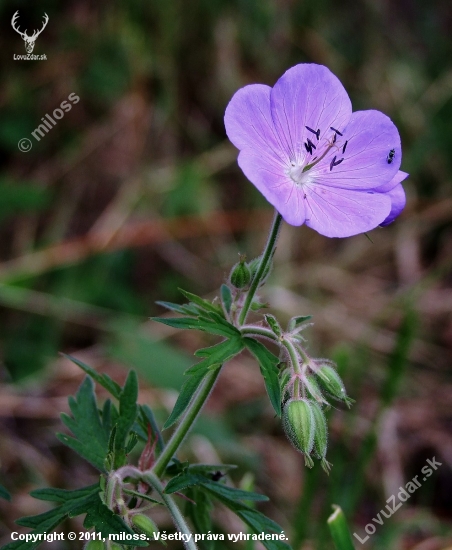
[(184, 310), (267, 363), (226, 298), (339, 530), (187, 479), (91, 439), (4, 493), (198, 509), (214, 357), (185, 396), (203, 304), (72, 503), (128, 410), (102, 379)]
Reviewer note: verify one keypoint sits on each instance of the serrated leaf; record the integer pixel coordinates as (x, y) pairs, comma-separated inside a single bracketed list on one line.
[(128, 410), (267, 363), (91, 440), (4, 493), (226, 298), (203, 304), (73, 503), (102, 379)]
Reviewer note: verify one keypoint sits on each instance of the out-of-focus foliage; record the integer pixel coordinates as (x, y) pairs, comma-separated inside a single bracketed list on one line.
[(135, 192)]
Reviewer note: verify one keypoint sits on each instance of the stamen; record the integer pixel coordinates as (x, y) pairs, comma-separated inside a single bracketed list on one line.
[(317, 133), (334, 138), (344, 147), (335, 162), (308, 147), (311, 144), (334, 130)]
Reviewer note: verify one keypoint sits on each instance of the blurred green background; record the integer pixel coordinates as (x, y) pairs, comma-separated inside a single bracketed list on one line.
[(136, 192)]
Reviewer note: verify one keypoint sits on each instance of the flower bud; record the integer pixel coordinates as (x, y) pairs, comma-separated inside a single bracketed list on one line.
[(144, 524), (299, 425), (320, 436), (254, 266), (94, 544), (314, 389), (332, 383), (240, 276)]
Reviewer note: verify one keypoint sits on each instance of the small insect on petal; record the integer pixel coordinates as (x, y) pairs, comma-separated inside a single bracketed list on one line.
[(390, 156)]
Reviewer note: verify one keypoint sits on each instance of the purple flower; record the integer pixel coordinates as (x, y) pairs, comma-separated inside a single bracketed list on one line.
[(313, 159)]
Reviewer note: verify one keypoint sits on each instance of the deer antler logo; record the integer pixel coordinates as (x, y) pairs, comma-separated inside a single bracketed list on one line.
[(29, 40)]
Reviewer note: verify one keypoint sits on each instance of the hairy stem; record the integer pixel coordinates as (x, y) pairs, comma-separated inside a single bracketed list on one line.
[(178, 518), (186, 423), (265, 260)]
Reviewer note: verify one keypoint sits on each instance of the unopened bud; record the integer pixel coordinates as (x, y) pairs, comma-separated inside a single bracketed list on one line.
[(314, 389), (332, 383), (299, 425), (94, 545), (145, 524), (240, 276), (321, 436), (254, 266)]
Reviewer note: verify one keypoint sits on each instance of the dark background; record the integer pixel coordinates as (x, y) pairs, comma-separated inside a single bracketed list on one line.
[(136, 192)]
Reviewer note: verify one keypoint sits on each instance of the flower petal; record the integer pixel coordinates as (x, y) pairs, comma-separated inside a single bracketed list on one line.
[(398, 178), (308, 95), (249, 124), (398, 201), (370, 136), (344, 212), (271, 180)]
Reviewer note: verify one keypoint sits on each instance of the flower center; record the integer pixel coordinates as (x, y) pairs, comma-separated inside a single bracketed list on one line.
[(297, 173)]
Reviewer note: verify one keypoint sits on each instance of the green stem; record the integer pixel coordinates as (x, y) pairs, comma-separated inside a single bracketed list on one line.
[(178, 518), (266, 258), (251, 330), (186, 423), (292, 352)]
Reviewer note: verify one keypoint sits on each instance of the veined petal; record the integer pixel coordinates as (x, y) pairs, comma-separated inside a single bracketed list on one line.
[(371, 137), (249, 124), (344, 212), (398, 201), (272, 181), (308, 95), (398, 178)]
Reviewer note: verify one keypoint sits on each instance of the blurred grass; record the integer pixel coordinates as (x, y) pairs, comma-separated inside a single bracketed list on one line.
[(136, 192)]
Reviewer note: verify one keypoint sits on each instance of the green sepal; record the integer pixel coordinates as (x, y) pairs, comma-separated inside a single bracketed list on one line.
[(273, 324), (297, 321)]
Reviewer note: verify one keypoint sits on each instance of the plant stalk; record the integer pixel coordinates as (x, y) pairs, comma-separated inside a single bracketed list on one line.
[(266, 257)]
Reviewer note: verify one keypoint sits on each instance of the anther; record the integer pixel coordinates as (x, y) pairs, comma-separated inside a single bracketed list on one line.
[(344, 147), (334, 138), (308, 147), (335, 162), (334, 130), (316, 133), (311, 144), (332, 163)]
